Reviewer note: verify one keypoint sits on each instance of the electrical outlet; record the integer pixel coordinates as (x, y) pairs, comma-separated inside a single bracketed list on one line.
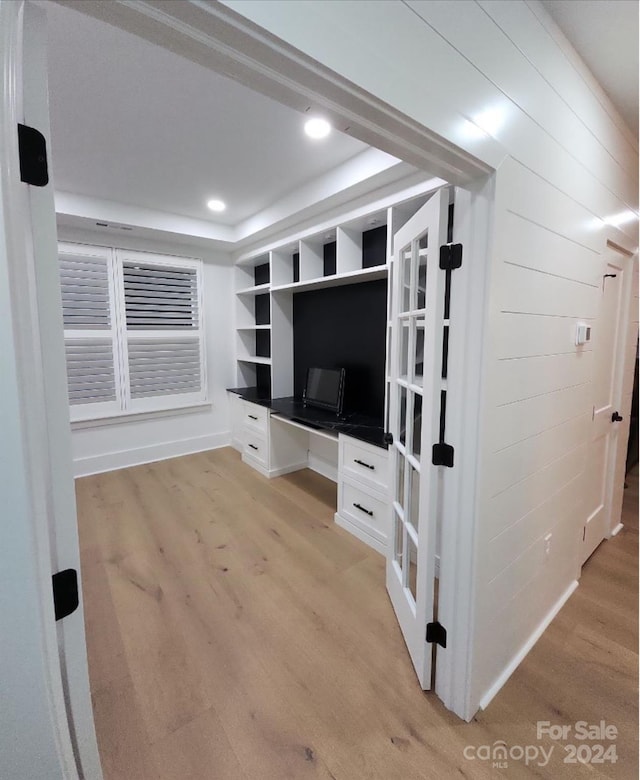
[(547, 546)]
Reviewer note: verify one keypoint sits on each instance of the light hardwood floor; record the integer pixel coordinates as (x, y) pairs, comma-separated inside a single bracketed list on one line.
[(235, 632)]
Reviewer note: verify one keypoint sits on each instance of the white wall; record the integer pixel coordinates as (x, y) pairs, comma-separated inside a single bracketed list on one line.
[(116, 445), (567, 162)]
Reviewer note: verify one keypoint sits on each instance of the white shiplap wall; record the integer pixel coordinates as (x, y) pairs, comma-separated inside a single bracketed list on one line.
[(566, 161)]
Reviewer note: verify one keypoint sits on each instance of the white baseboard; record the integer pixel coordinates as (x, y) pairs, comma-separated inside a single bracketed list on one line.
[(110, 461), (287, 469), (273, 473), (617, 530), (520, 655), (377, 545)]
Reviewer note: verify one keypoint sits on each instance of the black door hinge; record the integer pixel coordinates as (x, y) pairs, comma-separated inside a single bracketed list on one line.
[(436, 634), (442, 455), (450, 256), (65, 592), (32, 148)]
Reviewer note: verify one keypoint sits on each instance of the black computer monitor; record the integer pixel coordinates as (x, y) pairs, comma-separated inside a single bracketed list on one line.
[(324, 388)]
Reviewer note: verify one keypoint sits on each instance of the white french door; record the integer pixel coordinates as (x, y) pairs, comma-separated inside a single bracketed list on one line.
[(417, 407)]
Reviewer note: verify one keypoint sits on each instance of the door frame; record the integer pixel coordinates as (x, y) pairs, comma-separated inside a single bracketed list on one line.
[(284, 74), (626, 344), (43, 430)]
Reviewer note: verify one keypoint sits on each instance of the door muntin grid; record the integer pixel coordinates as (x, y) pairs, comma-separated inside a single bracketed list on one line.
[(407, 386)]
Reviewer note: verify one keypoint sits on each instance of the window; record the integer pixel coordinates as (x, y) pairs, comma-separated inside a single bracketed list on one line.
[(133, 331)]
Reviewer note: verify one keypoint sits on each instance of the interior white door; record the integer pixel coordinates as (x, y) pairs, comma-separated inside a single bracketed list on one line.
[(608, 334), (418, 293), (41, 447)]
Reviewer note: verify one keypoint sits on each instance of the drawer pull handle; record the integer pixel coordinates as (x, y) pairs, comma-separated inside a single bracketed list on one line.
[(362, 463), (253, 446), (252, 417), (362, 509)]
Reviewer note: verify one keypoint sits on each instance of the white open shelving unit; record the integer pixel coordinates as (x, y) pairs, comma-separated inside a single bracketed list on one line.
[(352, 250)]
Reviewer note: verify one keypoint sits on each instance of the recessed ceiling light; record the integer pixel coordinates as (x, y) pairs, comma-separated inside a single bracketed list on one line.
[(216, 205), (317, 128)]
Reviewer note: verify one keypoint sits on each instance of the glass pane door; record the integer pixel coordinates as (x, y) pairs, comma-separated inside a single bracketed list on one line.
[(416, 326)]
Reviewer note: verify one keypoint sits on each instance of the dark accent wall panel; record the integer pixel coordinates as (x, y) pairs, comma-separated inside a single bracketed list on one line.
[(263, 309), (374, 247), (344, 327), (263, 380), (261, 274), (263, 343), (329, 259)]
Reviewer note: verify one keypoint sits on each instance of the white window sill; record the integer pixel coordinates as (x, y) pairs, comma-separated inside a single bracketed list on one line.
[(125, 417)]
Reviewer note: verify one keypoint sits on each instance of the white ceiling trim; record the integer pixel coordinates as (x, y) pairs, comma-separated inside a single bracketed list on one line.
[(370, 170), (95, 210), (363, 169)]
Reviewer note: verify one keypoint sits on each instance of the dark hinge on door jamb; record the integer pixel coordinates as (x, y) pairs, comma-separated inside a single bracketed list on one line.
[(450, 257), (32, 148), (436, 634), (65, 592)]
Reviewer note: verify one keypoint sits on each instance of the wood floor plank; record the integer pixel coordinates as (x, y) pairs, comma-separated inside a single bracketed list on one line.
[(235, 632)]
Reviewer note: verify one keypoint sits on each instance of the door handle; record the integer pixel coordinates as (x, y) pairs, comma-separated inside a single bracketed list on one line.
[(615, 417)]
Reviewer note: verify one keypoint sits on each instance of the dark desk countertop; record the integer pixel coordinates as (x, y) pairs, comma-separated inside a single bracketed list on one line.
[(359, 426)]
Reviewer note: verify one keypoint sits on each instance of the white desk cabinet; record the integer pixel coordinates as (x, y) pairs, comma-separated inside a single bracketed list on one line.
[(268, 445), (363, 500)]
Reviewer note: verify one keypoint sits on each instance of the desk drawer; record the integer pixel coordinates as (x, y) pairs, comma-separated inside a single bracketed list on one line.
[(255, 446), (256, 417), (364, 510), (366, 463)]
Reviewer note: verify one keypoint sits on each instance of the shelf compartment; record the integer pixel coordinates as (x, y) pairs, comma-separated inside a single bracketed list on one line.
[(254, 375), (253, 273), (285, 264), (311, 259), (254, 343)]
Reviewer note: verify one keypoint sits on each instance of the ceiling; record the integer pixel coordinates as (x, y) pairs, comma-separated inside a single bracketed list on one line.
[(605, 35), (134, 123)]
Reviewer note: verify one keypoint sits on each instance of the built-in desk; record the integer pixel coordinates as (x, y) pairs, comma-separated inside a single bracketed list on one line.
[(359, 426), (281, 435)]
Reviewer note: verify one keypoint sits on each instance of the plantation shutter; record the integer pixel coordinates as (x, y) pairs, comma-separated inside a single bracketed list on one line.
[(133, 331), (161, 301), (86, 281)]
